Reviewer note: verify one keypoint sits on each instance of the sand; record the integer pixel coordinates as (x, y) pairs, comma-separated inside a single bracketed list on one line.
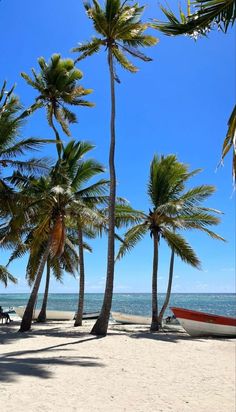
[(57, 367)]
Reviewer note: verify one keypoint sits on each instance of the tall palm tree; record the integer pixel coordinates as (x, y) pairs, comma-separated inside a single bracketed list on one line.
[(121, 32), (58, 88), (172, 209), (50, 201), (207, 15)]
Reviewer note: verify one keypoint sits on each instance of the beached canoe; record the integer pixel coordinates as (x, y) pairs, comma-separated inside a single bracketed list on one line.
[(125, 318), (51, 314), (57, 314), (205, 324), (90, 315)]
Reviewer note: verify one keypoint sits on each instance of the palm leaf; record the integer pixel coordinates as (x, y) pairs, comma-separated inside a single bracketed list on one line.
[(230, 142), (181, 248), (5, 276), (132, 237)]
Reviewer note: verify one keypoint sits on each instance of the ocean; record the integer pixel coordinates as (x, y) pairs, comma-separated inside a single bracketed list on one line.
[(133, 303)]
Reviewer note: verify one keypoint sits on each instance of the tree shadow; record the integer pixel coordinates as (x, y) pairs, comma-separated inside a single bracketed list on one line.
[(167, 334), (10, 333), (12, 367), (48, 348), (173, 337)]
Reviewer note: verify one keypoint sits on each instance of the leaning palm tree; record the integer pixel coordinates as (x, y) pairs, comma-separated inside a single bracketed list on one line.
[(207, 15), (121, 32), (172, 209), (50, 201), (58, 88)]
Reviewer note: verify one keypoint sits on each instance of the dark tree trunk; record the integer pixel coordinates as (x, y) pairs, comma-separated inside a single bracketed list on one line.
[(101, 325), (79, 315), (28, 314), (168, 292), (42, 314), (155, 324)]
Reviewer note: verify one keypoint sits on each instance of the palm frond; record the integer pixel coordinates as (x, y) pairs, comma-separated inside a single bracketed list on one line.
[(181, 248), (6, 276), (88, 49), (131, 238), (221, 13), (230, 142)]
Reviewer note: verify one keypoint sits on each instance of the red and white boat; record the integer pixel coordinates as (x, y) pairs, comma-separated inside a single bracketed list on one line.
[(205, 324)]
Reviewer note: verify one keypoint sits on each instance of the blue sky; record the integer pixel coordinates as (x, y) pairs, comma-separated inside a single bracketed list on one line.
[(179, 103)]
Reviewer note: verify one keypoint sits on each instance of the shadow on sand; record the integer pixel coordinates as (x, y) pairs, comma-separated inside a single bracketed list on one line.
[(13, 367), (164, 335), (24, 363)]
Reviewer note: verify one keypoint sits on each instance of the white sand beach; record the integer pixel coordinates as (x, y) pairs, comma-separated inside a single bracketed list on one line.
[(57, 367)]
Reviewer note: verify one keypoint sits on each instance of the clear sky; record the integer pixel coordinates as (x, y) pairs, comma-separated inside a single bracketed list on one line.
[(179, 103)]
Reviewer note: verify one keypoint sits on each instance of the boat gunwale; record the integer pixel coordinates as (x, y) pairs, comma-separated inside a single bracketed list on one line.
[(203, 317)]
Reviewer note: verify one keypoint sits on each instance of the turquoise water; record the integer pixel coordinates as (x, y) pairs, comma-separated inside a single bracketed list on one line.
[(134, 303)]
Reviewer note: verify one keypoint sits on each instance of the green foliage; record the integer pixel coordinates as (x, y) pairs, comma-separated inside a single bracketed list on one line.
[(230, 142), (57, 87), (6, 276), (121, 31), (173, 209), (12, 147), (208, 13)]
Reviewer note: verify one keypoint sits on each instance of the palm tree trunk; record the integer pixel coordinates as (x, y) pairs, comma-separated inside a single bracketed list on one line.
[(168, 292), (155, 324), (79, 315), (101, 325), (28, 314), (42, 314), (58, 140)]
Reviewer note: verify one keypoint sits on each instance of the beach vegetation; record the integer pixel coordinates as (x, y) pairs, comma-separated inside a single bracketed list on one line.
[(50, 201), (173, 209)]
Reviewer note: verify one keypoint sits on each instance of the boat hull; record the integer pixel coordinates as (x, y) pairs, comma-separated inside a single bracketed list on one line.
[(50, 314), (205, 324), (127, 319)]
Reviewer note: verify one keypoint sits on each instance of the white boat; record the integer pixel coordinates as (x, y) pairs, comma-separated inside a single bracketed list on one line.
[(205, 324), (50, 314), (127, 319)]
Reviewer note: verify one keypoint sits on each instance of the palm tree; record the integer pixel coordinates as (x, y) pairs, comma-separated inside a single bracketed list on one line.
[(57, 85), (208, 14), (50, 201), (172, 209), (121, 32)]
